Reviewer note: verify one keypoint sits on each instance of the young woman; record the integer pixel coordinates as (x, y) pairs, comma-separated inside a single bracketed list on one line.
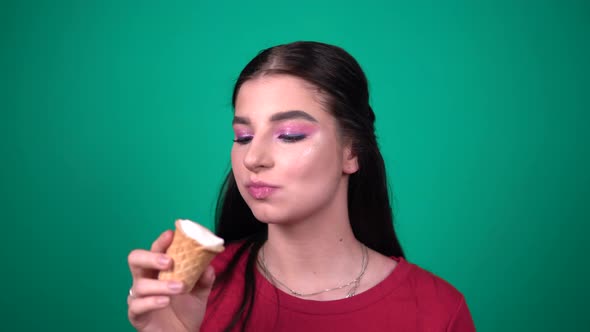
[(306, 217)]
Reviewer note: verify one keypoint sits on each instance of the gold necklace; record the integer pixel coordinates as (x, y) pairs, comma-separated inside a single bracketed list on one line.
[(354, 283)]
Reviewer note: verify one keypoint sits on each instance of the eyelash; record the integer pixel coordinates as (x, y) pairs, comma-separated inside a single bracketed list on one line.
[(284, 137), (243, 140), (292, 138)]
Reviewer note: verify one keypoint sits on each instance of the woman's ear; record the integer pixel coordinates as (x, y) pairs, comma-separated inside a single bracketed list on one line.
[(349, 160)]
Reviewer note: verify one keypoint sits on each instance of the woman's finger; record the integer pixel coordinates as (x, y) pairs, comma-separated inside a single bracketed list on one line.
[(149, 287), (140, 260), (142, 263), (205, 283), (142, 305), (163, 241)]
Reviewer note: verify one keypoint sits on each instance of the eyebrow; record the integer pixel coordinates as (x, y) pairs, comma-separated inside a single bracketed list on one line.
[(281, 116)]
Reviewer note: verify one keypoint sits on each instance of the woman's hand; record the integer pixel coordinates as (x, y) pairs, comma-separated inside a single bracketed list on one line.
[(155, 305)]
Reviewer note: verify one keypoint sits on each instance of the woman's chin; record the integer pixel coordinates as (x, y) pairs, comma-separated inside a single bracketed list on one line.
[(269, 217), (264, 218)]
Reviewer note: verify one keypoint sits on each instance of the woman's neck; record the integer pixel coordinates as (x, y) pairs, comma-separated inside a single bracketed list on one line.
[(313, 255)]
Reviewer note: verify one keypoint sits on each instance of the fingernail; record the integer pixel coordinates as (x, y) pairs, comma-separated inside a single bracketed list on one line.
[(163, 260), (162, 300), (175, 285)]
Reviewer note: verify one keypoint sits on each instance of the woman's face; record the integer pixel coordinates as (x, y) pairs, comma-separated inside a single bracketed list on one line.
[(288, 159)]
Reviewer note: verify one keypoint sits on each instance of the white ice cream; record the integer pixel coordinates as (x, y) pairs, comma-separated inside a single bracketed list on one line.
[(200, 234)]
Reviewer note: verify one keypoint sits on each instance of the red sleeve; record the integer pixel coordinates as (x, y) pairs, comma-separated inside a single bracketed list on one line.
[(461, 320)]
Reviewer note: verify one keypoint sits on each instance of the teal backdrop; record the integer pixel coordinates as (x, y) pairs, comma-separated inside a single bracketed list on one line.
[(115, 121)]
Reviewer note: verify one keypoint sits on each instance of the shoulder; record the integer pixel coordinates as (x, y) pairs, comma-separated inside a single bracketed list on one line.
[(437, 298), (223, 259), (428, 285), (229, 269), (227, 292)]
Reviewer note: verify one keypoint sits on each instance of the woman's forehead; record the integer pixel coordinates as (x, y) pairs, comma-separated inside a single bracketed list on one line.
[(266, 95)]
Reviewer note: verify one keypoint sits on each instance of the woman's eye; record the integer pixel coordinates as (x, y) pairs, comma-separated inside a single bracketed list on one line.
[(243, 140), (291, 138)]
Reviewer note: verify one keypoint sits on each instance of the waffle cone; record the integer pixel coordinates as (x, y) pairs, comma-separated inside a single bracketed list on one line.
[(190, 257)]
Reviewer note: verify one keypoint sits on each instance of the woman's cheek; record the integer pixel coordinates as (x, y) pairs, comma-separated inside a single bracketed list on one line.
[(308, 152), (236, 158), (305, 161)]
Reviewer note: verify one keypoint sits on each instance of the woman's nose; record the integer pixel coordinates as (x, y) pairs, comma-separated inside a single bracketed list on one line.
[(258, 156)]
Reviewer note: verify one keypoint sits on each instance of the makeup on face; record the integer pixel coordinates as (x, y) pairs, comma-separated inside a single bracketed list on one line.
[(260, 192), (242, 135), (288, 131), (287, 159), (292, 132)]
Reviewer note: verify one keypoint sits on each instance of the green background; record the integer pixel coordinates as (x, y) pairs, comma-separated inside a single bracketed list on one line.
[(115, 121)]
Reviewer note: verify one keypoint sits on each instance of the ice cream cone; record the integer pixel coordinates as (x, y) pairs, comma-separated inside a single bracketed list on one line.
[(192, 249)]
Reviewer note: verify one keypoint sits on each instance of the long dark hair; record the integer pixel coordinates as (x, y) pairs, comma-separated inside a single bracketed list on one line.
[(344, 90)]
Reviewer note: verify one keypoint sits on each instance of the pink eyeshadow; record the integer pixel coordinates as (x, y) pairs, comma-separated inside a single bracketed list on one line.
[(242, 133), (295, 129)]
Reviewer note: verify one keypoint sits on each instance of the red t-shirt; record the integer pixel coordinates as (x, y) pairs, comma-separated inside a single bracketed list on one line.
[(409, 299)]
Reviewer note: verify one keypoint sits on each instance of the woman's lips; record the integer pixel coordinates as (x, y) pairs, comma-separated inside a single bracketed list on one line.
[(260, 191)]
